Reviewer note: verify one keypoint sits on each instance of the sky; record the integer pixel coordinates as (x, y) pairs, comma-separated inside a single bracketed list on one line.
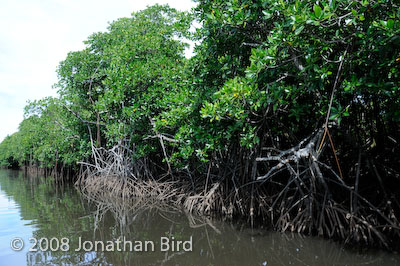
[(35, 35)]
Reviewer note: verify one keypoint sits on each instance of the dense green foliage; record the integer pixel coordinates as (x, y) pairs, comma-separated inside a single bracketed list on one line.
[(46, 136), (112, 88), (265, 75), (291, 51)]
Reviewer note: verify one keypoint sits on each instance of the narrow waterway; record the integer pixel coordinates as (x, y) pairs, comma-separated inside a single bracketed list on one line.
[(69, 231)]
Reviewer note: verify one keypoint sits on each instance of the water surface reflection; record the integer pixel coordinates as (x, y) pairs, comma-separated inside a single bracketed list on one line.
[(32, 207)]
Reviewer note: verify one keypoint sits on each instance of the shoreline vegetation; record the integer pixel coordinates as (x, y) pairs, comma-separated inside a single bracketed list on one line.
[(287, 115)]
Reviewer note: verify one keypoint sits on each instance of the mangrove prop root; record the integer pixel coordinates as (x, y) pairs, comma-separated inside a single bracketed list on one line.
[(310, 198), (297, 192)]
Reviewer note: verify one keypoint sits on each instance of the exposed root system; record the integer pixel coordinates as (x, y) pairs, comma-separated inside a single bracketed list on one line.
[(291, 189)]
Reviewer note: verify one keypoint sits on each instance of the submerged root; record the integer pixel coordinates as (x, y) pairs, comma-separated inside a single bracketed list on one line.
[(312, 199), (128, 201), (113, 175), (111, 186), (291, 190), (205, 201)]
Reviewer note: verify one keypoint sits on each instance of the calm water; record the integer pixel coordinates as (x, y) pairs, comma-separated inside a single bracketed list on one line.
[(31, 207)]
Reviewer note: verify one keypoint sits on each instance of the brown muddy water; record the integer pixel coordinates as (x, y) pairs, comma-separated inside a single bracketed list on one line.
[(70, 231)]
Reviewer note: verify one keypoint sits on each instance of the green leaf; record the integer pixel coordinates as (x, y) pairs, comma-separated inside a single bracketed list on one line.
[(332, 4), (390, 23), (317, 11), (267, 15), (333, 116), (298, 30)]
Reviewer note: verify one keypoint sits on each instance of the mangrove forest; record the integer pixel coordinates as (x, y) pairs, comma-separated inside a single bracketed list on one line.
[(287, 116)]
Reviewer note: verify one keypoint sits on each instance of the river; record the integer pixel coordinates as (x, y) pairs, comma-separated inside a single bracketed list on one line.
[(70, 231)]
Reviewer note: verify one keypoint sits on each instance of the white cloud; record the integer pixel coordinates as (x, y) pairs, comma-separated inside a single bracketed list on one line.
[(35, 35)]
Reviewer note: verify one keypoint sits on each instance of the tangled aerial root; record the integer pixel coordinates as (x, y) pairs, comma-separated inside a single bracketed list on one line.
[(314, 199), (297, 193)]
